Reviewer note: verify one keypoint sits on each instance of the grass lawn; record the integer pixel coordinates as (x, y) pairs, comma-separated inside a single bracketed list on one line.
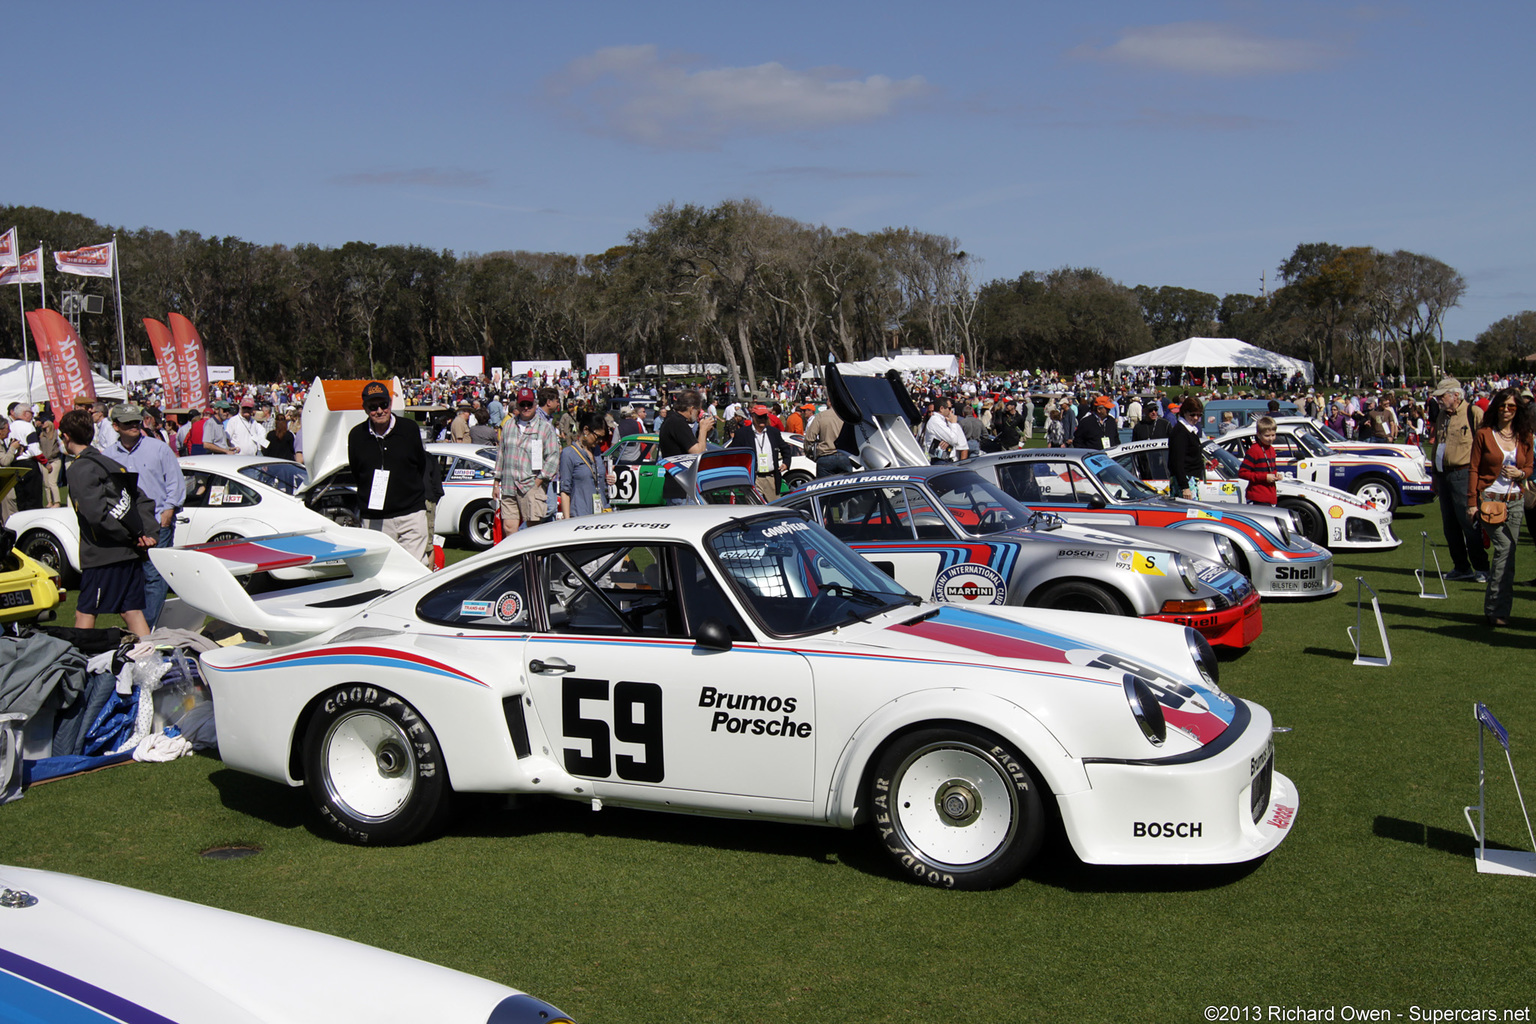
[(1373, 901)]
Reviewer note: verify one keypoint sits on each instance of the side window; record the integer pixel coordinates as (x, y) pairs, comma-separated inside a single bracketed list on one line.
[(867, 515), (493, 597), (1287, 450), (926, 518), (702, 596), (1045, 482), (210, 490), (612, 590)]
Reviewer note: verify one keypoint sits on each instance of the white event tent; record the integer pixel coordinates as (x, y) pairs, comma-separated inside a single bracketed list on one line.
[(948, 365), (13, 384), (1217, 354)]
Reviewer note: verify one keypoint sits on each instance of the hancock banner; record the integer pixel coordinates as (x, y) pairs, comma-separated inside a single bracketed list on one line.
[(28, 269), (192, 360), (71, 366), (164, 344), (91, 261), (42, 337), (8, 253)]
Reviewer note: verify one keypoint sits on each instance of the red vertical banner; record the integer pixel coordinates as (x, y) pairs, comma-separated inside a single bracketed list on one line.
[(164, 344), (193, 361), (71, 366), (42, 337)]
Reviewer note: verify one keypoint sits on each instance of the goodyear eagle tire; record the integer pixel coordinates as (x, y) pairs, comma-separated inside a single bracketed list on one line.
[(46, 550), (957, 808), (374, 768)]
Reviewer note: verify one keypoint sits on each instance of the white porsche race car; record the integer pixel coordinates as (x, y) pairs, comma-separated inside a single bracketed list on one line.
[(228, 497), (738, 661)]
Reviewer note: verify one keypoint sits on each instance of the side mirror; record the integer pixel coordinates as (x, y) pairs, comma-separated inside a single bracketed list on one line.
[(712, 635), (1097, 501)]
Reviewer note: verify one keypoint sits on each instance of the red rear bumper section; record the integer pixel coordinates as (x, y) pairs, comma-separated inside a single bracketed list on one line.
[(1237, 626)]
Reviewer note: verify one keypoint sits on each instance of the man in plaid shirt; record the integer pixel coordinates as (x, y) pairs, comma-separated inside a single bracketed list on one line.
[(528, 457)]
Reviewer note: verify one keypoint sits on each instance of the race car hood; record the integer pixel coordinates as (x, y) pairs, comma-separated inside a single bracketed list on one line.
[(75, 949), (1198, 545), (1034, 639)]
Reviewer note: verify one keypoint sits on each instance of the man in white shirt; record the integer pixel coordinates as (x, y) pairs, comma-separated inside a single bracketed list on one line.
[(29, 489), (246, 436), (942, 437)]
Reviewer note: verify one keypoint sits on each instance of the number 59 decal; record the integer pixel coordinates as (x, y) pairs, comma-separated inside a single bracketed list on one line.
[(636, 719)]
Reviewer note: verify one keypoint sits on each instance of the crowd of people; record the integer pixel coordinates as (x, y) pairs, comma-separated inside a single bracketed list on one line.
[(551, 443)]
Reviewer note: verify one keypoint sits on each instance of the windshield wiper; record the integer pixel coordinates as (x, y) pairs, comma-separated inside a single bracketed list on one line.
[(868, 596)]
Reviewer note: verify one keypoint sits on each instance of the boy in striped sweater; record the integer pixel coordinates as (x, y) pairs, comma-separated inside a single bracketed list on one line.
[(1258, 466)]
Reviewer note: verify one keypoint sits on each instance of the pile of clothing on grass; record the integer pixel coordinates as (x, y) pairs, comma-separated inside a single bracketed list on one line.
[(75, 700)]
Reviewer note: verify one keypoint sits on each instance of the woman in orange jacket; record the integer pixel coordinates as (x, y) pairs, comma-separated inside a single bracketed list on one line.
[(1501, 464)]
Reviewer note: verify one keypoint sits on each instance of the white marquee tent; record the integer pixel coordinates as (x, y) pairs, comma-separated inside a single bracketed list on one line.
[(13, 384), (948, 365), (1216, 354)]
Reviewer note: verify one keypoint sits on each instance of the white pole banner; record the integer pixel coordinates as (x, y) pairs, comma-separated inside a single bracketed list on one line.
[(8, 249), (91, 261)]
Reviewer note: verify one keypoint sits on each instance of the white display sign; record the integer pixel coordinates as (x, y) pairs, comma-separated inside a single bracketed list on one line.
[(604, 364), (458, 366)]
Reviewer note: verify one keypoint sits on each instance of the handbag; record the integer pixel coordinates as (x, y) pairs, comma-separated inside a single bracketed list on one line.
[(1492, 513)]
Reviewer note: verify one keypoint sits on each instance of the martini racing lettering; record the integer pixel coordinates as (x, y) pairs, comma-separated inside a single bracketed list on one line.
[(881, 478), (1167, 829), (724, 703)]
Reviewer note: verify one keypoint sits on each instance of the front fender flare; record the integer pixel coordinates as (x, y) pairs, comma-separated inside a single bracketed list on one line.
[(1059, 770)]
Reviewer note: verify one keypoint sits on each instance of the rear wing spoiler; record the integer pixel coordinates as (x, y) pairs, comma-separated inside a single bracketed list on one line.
[(205, 576), (878, 416), (711, 471)]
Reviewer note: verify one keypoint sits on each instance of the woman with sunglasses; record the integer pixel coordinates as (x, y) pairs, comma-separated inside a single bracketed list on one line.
[(1501, 463), (584, 476)]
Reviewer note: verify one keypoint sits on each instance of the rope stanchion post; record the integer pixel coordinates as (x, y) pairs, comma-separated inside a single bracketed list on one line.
[(1497, 862), (1426, 550), (1381, 627)]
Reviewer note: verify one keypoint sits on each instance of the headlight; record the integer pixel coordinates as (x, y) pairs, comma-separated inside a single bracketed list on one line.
[(1204, 656), (1185, 575), (1228, 551), (1145, 709)]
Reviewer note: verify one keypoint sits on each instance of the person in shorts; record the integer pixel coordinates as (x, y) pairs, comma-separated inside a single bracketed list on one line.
[(117, 526)]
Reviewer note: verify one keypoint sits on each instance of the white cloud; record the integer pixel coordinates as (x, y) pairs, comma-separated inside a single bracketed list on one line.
[(1208, 48), (633, 92)]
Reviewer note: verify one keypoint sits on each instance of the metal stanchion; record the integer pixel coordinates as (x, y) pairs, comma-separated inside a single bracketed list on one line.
[(1426, 550), (1496, 862), (1354, 631)]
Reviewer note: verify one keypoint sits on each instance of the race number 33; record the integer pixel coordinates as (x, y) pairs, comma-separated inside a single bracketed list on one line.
[(636, 719), (626, 486)]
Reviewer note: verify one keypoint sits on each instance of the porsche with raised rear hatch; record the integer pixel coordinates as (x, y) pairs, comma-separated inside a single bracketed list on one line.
[(736, 661)]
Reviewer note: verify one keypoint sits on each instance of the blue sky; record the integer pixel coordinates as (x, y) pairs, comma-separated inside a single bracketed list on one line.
[(1191, 144)]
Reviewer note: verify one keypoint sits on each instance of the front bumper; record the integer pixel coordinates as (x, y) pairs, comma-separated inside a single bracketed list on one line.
[(1227, 808), (1237, 626), (1310, 576)]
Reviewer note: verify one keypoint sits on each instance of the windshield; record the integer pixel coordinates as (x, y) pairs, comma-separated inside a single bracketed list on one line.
[(1329, 433), (287, 477), (1224, 462), (978, 506), (1120, 483), (797, 579), (1315, 444)]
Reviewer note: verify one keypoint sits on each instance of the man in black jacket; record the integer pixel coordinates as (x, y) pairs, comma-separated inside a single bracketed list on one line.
[(773, 454), (1098, 431), (390, 465), (117, 525)]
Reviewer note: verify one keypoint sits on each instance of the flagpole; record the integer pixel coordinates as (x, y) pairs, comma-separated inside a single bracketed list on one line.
[(122, 344), (21, 307), (42, 303)]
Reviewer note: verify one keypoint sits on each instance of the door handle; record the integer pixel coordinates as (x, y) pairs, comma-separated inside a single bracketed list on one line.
[(552, 667), (183, 519)]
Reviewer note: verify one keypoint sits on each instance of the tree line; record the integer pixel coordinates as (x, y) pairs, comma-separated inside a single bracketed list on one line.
[(738, 284)]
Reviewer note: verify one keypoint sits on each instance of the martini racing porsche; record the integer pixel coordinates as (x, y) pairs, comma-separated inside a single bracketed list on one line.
[(737, 661), (1089, 487), (944, 532), (1327, 516), (1379, 474)]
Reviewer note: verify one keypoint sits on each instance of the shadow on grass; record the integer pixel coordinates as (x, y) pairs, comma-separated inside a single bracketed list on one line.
[(1056, 865), (277, 805), (1416, 833)]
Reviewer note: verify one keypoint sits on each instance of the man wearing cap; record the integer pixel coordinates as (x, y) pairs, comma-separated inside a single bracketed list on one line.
[(1098, 431), (246, 436), (459, 428), (390, 467), (159, 480), (215, 437), (528, 456), (103, 435), (773, 454), (1455, 426)]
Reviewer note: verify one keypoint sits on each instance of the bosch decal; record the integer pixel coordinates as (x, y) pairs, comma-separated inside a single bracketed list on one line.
[(1102, 556), (1167, 829)]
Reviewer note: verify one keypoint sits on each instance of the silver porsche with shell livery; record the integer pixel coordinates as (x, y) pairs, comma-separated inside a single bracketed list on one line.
[(736, 661), (946, 533)]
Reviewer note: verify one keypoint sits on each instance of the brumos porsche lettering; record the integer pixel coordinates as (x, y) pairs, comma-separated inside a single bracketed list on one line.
[(1167, 829), (709, 697)]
